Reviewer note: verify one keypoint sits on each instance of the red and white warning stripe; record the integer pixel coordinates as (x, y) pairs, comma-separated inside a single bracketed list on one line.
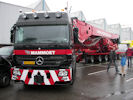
[(47, 81)]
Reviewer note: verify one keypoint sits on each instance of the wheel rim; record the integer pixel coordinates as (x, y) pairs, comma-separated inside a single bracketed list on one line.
[(106, 58), (100, 58), (92, 59)]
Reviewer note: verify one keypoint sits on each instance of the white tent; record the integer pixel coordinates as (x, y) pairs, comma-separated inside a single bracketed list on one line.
[(9, 14)]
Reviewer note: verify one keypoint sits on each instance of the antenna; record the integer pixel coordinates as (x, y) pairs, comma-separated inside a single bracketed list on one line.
[(70, 9)]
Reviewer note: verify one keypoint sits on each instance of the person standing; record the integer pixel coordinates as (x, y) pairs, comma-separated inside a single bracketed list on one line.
[(129, 56), (112, 56), (123, 63)]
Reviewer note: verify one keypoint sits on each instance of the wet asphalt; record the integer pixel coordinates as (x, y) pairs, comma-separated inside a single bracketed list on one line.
[(92, 82)]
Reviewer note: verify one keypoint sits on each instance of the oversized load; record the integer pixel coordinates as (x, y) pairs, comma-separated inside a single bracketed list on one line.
[(93, 41)]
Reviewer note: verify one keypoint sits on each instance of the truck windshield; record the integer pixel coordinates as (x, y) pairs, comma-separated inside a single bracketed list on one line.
[(42, 34)]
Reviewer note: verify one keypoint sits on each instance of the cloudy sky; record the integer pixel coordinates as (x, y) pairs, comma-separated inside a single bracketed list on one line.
[(114, 11)]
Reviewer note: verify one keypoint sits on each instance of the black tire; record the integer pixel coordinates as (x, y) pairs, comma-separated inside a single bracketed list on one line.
[(86, 59), (26, 86), (5, 79)]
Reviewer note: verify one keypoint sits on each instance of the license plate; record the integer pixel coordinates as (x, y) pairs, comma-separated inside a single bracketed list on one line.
[(29, 62)]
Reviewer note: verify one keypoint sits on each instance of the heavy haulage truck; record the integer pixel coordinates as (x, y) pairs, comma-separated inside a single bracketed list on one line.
[(43, 49), (48, 44)]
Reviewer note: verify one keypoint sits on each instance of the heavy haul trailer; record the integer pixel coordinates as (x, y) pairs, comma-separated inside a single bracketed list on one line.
[(44, 51), (92, 43)]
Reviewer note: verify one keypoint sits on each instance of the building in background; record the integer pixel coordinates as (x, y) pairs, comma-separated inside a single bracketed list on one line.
[(9, 14), (40, 5), (132, 35), (79, 15), (99, 23), (115, 28), (126, 33)]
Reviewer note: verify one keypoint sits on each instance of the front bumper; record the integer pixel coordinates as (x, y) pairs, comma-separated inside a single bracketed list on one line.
[(41, 77)]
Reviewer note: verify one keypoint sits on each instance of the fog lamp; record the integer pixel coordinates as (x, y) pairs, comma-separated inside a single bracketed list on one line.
[(16, 72), (63, 73)]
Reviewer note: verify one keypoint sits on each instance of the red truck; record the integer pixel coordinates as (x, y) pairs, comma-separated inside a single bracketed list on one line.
[(46, 45), (43, 49)]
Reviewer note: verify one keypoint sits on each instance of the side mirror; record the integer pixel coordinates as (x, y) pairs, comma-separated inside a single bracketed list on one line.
[(76, 30), (118, 41), (13, 29), (12, 39)]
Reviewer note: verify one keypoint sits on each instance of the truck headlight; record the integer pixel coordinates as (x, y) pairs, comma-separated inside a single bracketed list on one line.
[(63, 73), (16, 72)]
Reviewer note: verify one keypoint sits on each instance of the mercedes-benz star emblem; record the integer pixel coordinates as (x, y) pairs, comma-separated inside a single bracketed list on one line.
[(39, 60)]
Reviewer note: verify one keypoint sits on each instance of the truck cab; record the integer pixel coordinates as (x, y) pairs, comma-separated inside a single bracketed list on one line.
[(43, 49)]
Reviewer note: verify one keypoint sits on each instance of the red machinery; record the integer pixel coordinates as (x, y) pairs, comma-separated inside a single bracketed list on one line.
[(93, 43)]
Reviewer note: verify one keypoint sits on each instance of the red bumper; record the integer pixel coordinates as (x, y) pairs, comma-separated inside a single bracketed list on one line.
[(44, 77)]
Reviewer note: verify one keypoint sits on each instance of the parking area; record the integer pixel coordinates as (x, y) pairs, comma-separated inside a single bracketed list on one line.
[(92, 82)]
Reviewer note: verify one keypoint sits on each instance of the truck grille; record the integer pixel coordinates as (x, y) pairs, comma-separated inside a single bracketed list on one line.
[(49, 60)]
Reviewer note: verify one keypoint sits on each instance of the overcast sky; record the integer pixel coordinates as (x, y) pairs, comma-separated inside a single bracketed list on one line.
[(114, 11)]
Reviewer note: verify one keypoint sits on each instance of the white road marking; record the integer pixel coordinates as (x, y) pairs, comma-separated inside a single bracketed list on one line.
[(130, 79), (87, 66), (97, 72), (91, 65)]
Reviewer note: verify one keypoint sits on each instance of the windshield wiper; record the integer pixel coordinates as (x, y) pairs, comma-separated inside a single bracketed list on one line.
[(29, 39), (53, 41)]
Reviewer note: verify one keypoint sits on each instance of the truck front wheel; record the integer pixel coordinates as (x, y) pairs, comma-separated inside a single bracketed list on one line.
[(4, 79)]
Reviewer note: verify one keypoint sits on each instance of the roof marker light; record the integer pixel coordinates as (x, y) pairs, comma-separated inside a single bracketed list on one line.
[(20, 11), (24, 16), (46, 15), (35, 15), (58, 15)]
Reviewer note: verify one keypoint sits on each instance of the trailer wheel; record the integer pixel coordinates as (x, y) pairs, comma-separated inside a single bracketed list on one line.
[(4, 79), (118, 57), (86, 59), (92, 59), (106, 58), (100, 58)]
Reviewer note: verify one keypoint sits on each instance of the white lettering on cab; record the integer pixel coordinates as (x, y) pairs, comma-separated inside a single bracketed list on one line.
[(42, 52)]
